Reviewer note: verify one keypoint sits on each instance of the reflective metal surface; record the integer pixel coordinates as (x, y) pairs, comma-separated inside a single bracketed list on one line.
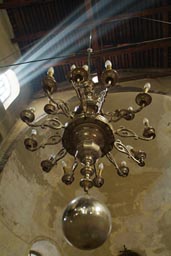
[(87, 134), (86, 223)]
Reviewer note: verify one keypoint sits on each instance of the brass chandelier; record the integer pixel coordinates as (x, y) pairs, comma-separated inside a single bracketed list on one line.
[(88, 134)]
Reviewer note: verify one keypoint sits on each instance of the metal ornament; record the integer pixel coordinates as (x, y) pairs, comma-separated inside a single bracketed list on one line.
[(86, 223), (88, 135)]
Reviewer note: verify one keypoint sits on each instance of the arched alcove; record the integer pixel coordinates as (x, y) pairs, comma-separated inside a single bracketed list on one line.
[(43, 248)]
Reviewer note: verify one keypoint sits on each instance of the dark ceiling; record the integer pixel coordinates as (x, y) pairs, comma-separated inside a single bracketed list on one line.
[(134, 35)]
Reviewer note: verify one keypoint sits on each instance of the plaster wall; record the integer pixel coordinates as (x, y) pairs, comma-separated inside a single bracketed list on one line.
[(9, 55), (32, 202), (10, 51)]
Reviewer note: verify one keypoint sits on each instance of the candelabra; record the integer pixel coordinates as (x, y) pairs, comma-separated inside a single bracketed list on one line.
[(88, 134)]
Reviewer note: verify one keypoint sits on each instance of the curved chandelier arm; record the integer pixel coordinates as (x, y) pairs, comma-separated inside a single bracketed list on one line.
[(101, 99), (126, 150), (127, 114), (53, 140), (80, 96), (111, 158), (122, 170), (138, 109), (74, 166), (61, 154), (68, 176), (115, 116), (61, 105), (125, 132), (75, 163), (77, 90), (48, 164), (53, 123), (32, 144)]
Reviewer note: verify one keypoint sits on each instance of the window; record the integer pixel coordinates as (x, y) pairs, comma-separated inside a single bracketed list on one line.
[(44, 248), (34, 253), (9, 88)]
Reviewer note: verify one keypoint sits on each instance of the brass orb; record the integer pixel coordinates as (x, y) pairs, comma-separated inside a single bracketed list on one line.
[(86, 223)]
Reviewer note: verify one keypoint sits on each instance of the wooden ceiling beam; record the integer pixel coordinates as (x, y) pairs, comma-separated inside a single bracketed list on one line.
[(150, 73), (118, 51), (90, 16), (147, 12), (37, 35), (10, 4), (165, 34), (29, 37)]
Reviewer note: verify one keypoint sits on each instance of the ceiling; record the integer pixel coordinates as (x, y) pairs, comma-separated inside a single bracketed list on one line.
[(135, 36)]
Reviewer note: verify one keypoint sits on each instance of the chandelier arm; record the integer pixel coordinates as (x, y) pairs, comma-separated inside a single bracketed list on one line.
[(112, 116), (101, 99), (111, 158), (138, 109), (95, 169), (62, 105), (127, 114), (76, 90), (61, 154), (48, 164), (51, 99), (118, 114), (52, 140), (75, 163), (74, 166), (68, 176), (123, 149), (54, 124), (57, 112), (125, 132)]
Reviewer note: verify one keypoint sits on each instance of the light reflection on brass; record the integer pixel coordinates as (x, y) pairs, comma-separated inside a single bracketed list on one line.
[(86, 223)]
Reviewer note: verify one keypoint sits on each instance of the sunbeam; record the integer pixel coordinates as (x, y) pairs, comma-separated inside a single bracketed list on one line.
[(70, 36), (65, 41)]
